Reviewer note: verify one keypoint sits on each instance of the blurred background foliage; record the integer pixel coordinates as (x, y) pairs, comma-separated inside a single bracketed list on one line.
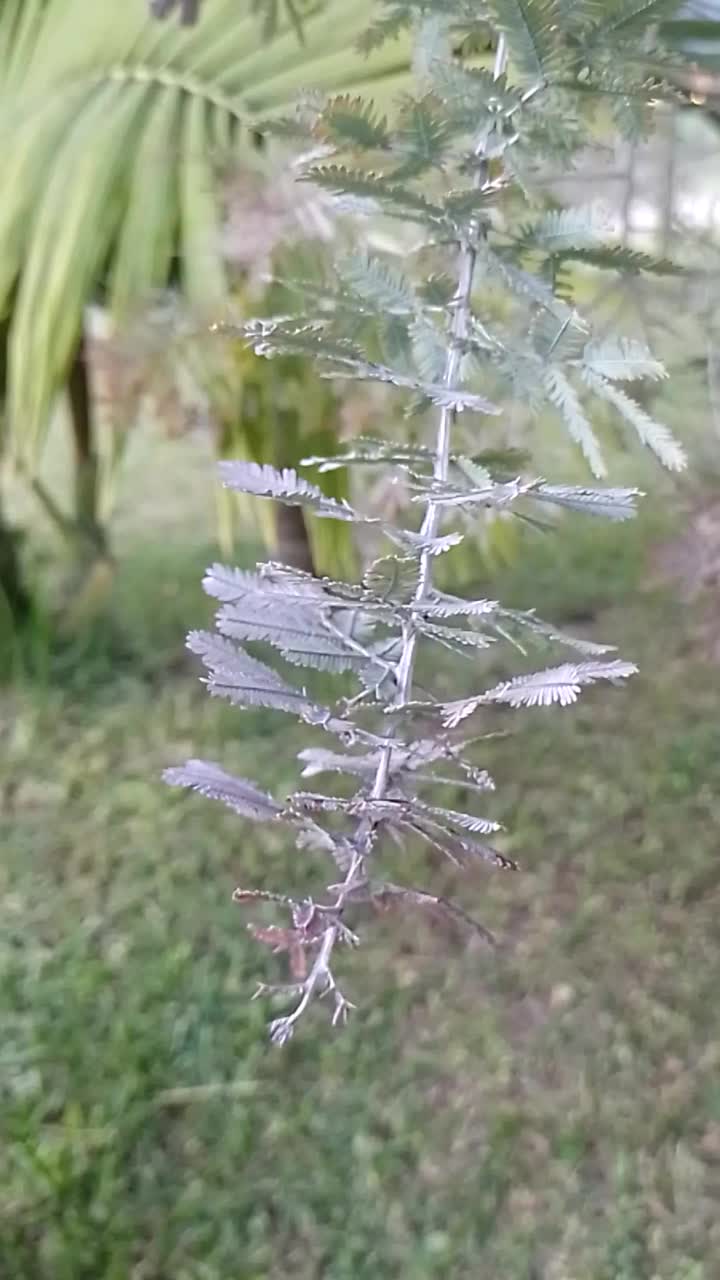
[(549, 1114), (121, 137)]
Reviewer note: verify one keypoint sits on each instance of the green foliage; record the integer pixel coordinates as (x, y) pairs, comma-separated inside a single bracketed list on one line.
[(353, 122), (117, 134), (535, 33), (421, 136)]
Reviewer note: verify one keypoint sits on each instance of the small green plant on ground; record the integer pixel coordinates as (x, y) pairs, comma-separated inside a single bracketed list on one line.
[(484, 313)]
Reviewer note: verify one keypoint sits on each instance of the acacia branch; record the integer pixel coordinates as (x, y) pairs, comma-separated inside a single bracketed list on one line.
[(320, 975)]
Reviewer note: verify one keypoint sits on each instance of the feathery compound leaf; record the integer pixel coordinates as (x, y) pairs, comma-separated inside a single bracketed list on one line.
[(392, 578), (434, 825), (468, 93), (653, 434), (341, 360), (631, 14), (301, 586), (456, 639), (454, 398), (291, 586), (565, 398), (466, 821), (623, 359), (294, 612), (319, 760), (374, 280), (429, 349), (366, 449), (461, 850), (444, 606), (225, 583), (351, 121), (237, 793), (422, 136), (388, 896), (421, 544), (478, 476), (546, 633), (580, 234), (297, 632), (390, 197), (488, 495), (271, 337), (459, 205), (264, 481), (578, 227), (234, 675), (618, 257), (437, 393), (534, 34), (404, 759), (528, 286), (437, 290), (561, 685), (613, 504), (387, 27)]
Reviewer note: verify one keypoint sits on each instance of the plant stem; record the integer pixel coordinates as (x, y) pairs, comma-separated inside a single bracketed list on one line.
[(52, 510), (467, 261), (89, 531), (458, 335)]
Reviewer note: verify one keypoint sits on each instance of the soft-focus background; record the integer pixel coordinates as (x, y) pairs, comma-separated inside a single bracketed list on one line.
[(551, 1112)]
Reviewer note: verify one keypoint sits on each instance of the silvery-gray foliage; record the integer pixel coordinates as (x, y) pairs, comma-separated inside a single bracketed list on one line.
[(461, 163)]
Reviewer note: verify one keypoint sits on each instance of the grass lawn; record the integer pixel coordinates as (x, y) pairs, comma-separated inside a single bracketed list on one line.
[(549, 1112)]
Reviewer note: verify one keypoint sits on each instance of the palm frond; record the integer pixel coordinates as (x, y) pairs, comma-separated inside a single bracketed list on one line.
[(114, 131)]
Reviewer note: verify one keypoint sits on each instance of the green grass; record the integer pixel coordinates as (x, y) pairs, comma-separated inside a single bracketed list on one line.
[(551, 1112)]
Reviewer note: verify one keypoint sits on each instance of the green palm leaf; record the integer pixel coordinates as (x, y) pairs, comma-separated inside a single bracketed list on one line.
[(112, 128)]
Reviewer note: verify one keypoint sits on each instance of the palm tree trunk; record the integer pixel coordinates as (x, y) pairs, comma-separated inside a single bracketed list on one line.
[(91, 534), (14, 597), (292, 544)]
